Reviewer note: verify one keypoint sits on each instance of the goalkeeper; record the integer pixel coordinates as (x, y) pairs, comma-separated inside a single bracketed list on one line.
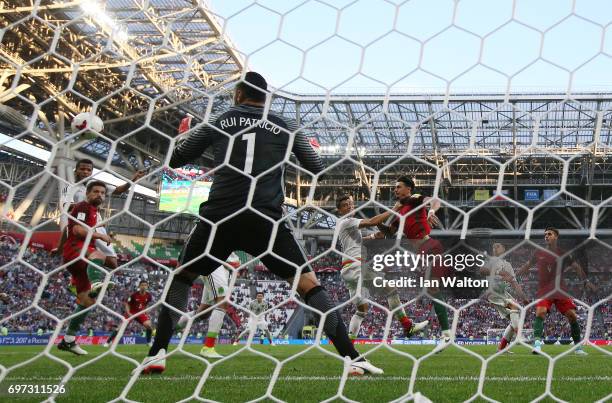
[(245, 203)]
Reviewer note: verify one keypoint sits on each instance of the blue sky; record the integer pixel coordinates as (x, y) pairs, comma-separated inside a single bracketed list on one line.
[(352, 46)]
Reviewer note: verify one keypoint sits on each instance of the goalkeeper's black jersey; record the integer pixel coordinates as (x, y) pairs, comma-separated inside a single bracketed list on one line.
[(255, 146)]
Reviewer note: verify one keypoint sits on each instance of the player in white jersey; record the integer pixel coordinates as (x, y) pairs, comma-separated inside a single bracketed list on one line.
[(216, 288), (348, 233), (75, 193), (257, 320), (502, 277)]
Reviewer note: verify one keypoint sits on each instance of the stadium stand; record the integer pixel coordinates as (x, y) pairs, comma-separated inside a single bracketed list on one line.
[(21, 284)]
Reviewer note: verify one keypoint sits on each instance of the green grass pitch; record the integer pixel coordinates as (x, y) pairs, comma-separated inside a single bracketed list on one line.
[(178, 203), (449, 376)]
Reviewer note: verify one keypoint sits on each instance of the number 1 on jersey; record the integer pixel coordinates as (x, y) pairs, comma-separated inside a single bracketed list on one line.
[(250, 151)]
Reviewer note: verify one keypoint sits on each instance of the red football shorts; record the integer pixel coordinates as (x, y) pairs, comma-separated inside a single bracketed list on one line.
[(142, 318), (78, 273), (563, 304), (73, 253), (434, 247)]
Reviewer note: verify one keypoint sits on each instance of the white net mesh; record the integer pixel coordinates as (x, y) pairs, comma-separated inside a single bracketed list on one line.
[(501, 111)]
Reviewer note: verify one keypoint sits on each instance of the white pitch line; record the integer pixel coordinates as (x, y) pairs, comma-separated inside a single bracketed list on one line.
[(320, 378)]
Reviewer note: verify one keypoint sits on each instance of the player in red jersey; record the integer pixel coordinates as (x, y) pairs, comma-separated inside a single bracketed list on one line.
[(83, 219), (417, 227), (550, 266), (135, 304), (355, 278)]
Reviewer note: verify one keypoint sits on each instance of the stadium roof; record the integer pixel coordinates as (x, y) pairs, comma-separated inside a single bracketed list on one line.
[(482, 123), (128, 60)]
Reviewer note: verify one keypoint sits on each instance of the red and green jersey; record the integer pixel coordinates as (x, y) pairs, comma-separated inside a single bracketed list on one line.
[(550, 265), (139, 301), (415, 224), (82, 213)]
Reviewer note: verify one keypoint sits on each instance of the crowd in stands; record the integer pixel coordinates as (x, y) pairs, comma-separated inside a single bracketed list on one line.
[(21, 283), (330, 260), (473, 321), (277, 293)]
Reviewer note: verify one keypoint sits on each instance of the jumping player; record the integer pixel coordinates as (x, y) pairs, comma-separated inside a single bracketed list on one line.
[(348, 233), (75, 193), (83, 217), (417, 227), (248, 141)]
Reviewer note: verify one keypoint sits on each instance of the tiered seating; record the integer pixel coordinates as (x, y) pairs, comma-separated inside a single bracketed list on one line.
[(158, 248)]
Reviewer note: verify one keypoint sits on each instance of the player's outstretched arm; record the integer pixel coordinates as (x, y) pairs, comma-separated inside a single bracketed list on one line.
[(578, 268), (81, 232), (68, 204), (374, 221), (60, 246), (383, 231), (582, 275), (525, 268), (515, 286), (376, 235), (126, 186), (485, 270), (378, 219), (193, 146), (307, 156), (434, 206)]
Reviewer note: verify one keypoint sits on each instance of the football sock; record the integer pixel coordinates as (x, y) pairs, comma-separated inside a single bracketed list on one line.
[(112, 336), (406, 322), (177, 297), (507, 337), (514, 320), (75, 323), (214, 327), (442, 315), (355, 324), (575, 331), (538, 328), (393, 300), (334, 328), (509, 332), (95, 275), (242, 334), (149, 333)]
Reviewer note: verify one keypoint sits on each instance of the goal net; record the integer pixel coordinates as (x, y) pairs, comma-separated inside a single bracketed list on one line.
[(500, 115)]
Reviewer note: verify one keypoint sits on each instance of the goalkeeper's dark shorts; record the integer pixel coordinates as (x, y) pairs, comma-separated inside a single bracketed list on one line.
[(248, 232)]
